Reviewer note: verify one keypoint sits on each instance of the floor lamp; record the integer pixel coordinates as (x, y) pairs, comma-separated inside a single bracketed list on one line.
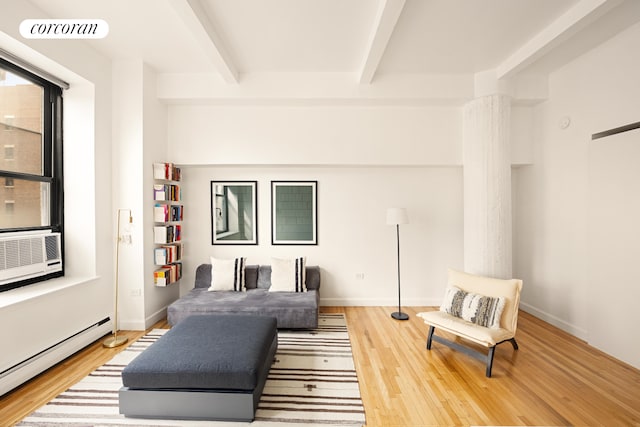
[(397, 216), (115, 340)]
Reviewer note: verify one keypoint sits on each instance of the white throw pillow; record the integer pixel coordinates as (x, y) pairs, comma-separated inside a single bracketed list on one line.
[(227, 274), (288, 275)]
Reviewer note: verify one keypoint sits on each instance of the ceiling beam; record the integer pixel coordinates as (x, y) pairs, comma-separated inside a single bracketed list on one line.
[(197, 21), (386, 21), (566, 25)]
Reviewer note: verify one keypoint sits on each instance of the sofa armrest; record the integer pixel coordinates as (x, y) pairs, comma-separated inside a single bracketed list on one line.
[(313, 277), (203, 276)]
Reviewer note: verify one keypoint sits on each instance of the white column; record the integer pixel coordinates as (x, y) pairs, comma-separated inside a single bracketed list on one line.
[(487, 186)]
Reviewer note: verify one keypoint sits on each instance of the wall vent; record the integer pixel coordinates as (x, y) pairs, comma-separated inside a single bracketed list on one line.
[(27, 256)]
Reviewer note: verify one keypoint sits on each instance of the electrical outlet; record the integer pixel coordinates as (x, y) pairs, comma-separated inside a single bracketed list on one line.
[(360, 276), (136, 292)]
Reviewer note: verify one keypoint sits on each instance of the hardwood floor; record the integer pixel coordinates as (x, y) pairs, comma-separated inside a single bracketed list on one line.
[(554, 379)]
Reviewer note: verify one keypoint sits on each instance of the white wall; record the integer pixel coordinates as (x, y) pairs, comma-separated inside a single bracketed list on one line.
[(559, 238), (411, 152), (314, 135), (353, 236), (128, 176), (361, 158), (139, 141), (156, 299), (42, 315)]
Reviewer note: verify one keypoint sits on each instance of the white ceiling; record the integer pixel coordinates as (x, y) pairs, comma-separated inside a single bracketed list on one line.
[(371, 38)]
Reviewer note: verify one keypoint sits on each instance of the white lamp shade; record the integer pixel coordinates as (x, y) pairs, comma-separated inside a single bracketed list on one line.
[(397, 216)]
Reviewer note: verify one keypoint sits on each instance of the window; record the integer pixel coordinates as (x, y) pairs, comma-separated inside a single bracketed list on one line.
[(9, 206), (30, 159), (222, 223), (9, 152)]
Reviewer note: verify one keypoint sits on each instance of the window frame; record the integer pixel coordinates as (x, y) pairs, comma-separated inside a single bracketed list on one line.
[(51, 167)]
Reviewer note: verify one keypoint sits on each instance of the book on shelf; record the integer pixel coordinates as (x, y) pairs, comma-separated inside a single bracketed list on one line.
[(167, 233), (175, 192), (174, 173), (167, 254), (176, 212), (167, 274), (159, 192), (160, 256), (159, 171), (166, 192), (166, 213), (161, 213), (166, 171), (160, 277), (160, 234)]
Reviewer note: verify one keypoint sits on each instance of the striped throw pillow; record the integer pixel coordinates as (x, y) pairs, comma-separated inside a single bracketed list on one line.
[(479, 309), (288, 275), (227, 274)]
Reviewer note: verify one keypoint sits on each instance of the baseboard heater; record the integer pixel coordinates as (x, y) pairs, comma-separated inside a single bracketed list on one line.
[(29, 368)]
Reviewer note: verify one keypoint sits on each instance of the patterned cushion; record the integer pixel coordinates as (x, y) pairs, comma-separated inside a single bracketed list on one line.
[(288, 275), (475, 308), (227, 274)]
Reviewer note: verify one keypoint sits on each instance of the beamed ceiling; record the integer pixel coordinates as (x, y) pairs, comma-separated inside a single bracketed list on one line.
[(338, 47)]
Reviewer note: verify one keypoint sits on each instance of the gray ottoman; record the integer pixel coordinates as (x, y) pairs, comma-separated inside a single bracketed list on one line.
[(210, 367)]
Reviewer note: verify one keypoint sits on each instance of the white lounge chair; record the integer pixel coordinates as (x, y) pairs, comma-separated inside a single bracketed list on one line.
[(503, 329)]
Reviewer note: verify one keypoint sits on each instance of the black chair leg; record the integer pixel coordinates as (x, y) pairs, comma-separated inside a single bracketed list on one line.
[(430, 337), (514, 343), (490, 361)]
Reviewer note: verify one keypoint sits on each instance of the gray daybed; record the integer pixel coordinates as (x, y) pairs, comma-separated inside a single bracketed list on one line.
[(292, 310)]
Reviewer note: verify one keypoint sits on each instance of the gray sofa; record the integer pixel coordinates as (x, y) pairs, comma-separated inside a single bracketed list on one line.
[(292, 310)]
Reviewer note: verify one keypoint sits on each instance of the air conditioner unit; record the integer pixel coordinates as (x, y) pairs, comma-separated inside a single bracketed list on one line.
[(26, 256)]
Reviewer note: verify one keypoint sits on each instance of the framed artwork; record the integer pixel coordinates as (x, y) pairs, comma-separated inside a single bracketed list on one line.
[(234, 213), (294, 212)]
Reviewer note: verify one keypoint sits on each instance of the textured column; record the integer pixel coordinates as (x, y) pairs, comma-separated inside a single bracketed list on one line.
[(487, 186)]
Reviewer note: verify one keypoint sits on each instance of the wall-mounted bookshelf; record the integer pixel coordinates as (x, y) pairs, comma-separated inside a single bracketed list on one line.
[(167, 228)]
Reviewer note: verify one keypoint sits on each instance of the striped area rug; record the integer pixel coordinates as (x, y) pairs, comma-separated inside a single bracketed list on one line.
[(312, 382)]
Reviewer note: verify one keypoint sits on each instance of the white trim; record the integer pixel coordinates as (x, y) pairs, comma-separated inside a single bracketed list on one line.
[(36, 290), (143, 325), (555, 321), (44, 361), (9, 57), (156, 317), (380, 302)]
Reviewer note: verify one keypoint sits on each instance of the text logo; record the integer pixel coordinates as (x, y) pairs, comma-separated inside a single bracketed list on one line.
[(64, 28)]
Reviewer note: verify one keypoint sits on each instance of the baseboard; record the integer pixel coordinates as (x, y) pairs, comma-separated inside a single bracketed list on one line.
[(155, 317), (379, 302), (435, 302), (143, 325), (555, 321), (132, 325), (47, 359)]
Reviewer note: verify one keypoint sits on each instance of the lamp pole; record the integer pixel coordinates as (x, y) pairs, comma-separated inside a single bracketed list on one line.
[(115, 340), (399, 315)]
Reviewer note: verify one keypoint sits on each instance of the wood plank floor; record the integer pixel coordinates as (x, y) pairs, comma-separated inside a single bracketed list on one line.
[(554, 379)]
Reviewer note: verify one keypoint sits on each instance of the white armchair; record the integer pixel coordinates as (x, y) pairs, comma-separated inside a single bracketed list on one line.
[(485, 321)]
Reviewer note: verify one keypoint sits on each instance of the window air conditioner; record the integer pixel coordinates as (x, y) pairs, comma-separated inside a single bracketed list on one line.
[(29, 255)]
